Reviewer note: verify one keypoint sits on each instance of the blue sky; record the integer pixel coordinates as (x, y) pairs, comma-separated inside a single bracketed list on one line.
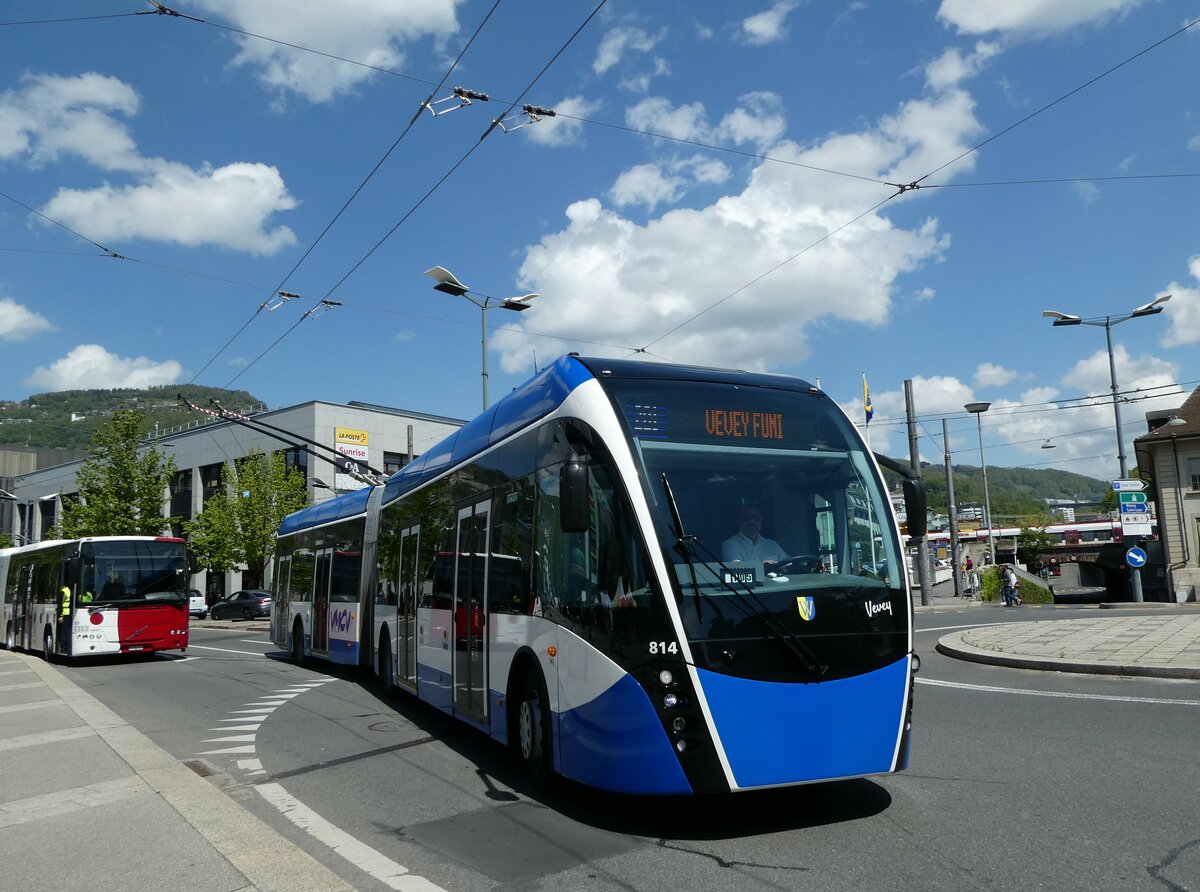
[(718, 186)]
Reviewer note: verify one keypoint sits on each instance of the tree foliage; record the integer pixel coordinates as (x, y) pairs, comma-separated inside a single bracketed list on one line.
[(239, 522), (121, 485)]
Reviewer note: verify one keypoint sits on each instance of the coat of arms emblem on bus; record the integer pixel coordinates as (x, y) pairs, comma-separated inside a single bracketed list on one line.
[(807, 607)]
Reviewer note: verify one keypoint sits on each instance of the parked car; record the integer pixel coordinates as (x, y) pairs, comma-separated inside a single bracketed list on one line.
[(197, 606), (246, 604)]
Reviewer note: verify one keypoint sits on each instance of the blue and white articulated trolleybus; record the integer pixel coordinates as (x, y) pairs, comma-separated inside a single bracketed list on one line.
[(582, 572)]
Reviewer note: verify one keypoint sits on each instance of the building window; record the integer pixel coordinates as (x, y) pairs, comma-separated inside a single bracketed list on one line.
[(1194, 473), (211, 479), (393, 462)]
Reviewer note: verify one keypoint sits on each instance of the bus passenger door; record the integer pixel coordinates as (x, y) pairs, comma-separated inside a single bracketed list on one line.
[(320, 617), (470, 612), (407, 587)]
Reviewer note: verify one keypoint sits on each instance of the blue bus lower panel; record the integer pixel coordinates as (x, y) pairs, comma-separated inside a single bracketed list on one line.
[(791, 733), (616, 742), (343, 652)]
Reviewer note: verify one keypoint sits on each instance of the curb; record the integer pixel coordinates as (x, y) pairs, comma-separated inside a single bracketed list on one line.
[(952, 645), (260, 853)]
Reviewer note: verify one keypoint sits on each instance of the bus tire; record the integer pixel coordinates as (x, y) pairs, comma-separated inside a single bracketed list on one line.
[(532, 737), (298, 642), (384, 663), (48, 645)]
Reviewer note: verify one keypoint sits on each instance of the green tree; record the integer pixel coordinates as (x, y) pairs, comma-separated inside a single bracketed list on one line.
[(6, 540), (213, 536), (1034, 544), (121, 484), (238, 524)]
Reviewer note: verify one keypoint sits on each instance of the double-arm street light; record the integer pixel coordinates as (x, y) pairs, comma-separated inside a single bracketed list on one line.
[(1107, 322), (977, 409), (447, 283)]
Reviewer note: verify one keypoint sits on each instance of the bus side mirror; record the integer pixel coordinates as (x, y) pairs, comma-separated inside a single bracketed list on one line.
[(573, 497), (193, 565), (915, 507)]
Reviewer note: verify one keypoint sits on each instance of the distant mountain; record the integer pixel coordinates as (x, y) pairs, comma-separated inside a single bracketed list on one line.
[(1014, 492), (68, 418)]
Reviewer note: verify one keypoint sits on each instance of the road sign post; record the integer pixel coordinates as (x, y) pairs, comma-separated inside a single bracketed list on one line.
[(1135, 523)]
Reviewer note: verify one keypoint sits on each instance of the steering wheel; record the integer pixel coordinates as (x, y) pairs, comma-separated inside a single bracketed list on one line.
[(800, 563)]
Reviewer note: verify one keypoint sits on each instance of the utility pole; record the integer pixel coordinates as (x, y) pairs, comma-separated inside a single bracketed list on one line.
[(922, 556), (953, 509)]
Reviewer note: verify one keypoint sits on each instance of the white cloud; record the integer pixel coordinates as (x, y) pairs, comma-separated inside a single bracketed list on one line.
[(563, 129), (19, 323), (58, 120), (640, 83), (654, 184), (952, 66), (1032, 17), (767, 26), (701, 270), (619, 41), (50, 117), (646, 184), (757, 120), (1089, 193), (228, 206), (657, 115), (373, 32), (988, 374), (91, 367), (1183, 309)]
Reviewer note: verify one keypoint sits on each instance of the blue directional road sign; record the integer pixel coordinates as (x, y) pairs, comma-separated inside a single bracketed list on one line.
[(1136, 558)]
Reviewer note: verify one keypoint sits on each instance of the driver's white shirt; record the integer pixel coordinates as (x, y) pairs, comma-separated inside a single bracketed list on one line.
[(739, 547)]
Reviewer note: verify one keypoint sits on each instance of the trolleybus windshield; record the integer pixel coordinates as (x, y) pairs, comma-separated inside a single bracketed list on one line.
[(818, 567)]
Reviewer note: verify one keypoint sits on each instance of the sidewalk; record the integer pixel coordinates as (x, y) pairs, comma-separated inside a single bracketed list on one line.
[(87, 801), (1160, 644)]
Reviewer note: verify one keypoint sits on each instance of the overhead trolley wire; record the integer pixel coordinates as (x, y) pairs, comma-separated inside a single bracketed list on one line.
[(916, 184), (433, 188), (349, 200), (1051, 104)]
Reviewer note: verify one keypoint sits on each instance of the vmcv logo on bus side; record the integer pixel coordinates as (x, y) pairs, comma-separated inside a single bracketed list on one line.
[(339, 620)]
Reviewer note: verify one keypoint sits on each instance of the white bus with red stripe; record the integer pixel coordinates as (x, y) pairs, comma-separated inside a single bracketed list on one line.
[(96, 596)]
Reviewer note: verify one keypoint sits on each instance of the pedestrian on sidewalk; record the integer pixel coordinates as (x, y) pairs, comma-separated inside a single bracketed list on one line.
[(1008, 586)]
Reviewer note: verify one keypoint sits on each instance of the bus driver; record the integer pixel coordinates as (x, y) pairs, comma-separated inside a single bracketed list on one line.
[(748, 546)]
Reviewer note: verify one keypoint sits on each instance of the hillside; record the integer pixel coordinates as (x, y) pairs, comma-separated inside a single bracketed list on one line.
[(68, 418), (1015, 492)]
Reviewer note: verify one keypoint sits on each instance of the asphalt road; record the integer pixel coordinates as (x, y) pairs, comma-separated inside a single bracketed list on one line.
[(1018, 780)]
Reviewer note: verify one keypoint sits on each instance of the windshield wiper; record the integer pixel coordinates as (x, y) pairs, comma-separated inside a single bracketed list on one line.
[(745, 599)]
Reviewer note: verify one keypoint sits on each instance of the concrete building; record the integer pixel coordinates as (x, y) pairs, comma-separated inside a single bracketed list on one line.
[(1169, 456), (379, 437)]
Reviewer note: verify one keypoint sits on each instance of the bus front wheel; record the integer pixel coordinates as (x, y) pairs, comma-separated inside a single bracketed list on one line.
[(533, 744)]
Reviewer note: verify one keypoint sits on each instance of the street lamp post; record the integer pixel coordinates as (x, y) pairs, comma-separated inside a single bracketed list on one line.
[(448, 283), (1107, 322), (977, 409)]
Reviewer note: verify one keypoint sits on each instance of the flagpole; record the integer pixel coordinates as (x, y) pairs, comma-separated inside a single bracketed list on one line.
[(867, 413)]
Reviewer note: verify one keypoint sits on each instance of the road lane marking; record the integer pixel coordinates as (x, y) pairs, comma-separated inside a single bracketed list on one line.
[(1029, 692), (37, 704), (225, 650), (361, 855), (52, 805), (13, 743)]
